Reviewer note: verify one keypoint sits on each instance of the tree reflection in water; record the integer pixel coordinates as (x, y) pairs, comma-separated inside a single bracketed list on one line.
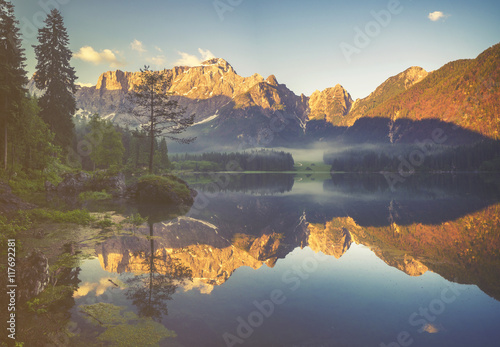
[(150, 291)]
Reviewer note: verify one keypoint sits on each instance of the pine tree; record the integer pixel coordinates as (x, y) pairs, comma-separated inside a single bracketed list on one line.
[(55, 76), (109, 150), (12, 73), (163, 162), (158, 114)]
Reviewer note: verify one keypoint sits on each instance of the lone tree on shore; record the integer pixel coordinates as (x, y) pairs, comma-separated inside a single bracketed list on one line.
[(158, 115), (12, 73), (55, 76)]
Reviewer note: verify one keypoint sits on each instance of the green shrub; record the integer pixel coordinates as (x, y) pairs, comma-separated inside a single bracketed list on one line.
[(135, 220), (177, 185), (81, 217), (95, 196), (23, 186), (104, 223)]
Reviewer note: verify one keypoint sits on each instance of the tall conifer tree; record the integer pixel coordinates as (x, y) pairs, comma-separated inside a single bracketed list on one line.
[(157, 113), (55, 76), (12, 74)]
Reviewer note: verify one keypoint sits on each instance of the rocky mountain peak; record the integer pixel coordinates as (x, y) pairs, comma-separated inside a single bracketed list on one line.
[(117, 80), (272, 80), (412, 75), (390, 88), (226, 67), (331, 104)]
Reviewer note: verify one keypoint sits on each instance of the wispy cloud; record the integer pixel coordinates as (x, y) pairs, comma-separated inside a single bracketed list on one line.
[(437, 15), (206, 54), (89, 54), (159, 60), (158, 49), (137, 45), (84, 84), (191, 60)]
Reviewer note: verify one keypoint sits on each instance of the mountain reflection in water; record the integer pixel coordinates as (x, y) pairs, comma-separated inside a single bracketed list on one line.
[(450, 229), (352, 260)]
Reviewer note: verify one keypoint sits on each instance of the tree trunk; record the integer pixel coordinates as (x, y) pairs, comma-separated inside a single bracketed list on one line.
[(5, 145), (5, 152), (151, 135)]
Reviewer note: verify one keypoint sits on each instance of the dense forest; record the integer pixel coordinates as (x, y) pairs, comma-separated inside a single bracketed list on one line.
[(261, 160), (104, 145), (483, 156)]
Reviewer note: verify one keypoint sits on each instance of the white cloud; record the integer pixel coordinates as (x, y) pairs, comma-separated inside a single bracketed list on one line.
[(90, 55), (136, 45), (437, 15), (159, 60), (158, 49), (206, 54), (191, 60), (84, 84)]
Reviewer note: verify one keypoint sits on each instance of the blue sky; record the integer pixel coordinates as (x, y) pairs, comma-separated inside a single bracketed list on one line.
[(308, 45)]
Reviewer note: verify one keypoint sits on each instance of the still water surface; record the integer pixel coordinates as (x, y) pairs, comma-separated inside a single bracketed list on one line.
[(273, 260)]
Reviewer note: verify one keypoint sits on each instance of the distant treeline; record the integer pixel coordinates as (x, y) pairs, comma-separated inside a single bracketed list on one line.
[(255, 184), (261, 160), (483, 156), (103, 144)]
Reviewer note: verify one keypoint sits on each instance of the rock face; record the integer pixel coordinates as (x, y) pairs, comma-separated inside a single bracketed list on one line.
[(114, 184), (80, 182), (331, 105), (74, 183), (212, 91), (214, 78), (117, 80), (391, 87), (235, 109), (33, 272), (10, 202)]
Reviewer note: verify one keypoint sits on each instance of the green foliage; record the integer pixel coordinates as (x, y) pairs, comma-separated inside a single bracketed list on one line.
[(261, 160), (108, 148), (145, 333), (55, 75), (10, 227), (12, 73), (167, 182), (32, 148), (52, 295), (35, 306), (81, 217), (124, 328), (481, 156), (197, 166), (135, 220), (22, 186), (160, 160), (159, 115), (94, 196), (104, 223)]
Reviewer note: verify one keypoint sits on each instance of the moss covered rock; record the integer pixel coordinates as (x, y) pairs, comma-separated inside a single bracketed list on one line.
[(167, 189)]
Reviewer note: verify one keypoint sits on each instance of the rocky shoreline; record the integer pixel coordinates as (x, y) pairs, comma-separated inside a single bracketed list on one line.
[(142, 191)]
